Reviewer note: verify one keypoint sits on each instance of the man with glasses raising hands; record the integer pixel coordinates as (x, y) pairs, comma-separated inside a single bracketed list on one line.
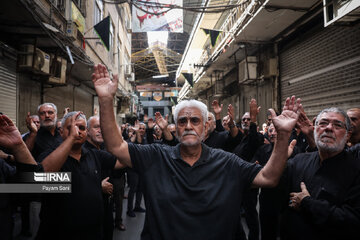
[(192, 191), (324, 185)]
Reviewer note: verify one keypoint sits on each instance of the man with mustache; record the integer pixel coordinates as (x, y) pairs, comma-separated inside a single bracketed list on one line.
[(324, 185), (191, 191), (47, 137)]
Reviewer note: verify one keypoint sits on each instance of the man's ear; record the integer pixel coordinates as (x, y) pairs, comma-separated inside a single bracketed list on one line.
[(349, 135)]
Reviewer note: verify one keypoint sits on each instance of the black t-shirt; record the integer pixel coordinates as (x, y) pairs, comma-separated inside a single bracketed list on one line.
[(191, 202), (333, 209), (84, 205)]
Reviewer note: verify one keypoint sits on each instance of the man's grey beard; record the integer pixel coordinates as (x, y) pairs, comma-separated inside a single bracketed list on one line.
[(324, 147), (201, 138), (48, 126)]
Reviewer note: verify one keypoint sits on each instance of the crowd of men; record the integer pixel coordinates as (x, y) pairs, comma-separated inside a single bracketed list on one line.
[(199, 177)]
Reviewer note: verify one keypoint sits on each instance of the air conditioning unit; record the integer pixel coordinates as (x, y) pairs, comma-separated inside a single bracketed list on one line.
[(57, 70), (270, 67), (340, 10), (128, 70), (131, 78), (41, 59), (71, 30), (248, 69)]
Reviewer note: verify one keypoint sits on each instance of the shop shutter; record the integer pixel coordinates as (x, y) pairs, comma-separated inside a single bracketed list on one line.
[(323, 68)]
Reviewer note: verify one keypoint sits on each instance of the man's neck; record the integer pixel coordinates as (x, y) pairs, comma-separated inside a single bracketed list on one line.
[(75, 152), (94, 143), (51, 130), (190, 154)]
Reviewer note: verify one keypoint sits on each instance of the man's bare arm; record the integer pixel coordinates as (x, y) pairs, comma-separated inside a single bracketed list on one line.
[(10, 138), (269, 176), (106, 89)]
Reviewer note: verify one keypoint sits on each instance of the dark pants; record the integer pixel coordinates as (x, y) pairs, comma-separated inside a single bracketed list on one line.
[(251, 215), (118, 197), (269, 213), (108, 224), (135, 188)]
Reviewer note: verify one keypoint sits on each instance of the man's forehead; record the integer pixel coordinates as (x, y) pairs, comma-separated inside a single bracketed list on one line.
[(332, 115), (190, 112), (246, 115), (353, 114), (47, 108)]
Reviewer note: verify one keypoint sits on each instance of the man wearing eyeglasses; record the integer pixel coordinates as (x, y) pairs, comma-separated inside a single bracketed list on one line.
[(324, 185), (191, 191)]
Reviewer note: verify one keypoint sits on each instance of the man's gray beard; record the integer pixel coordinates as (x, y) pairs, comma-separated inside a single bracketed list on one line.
[(202, 137), (49, 126), (324, 147)]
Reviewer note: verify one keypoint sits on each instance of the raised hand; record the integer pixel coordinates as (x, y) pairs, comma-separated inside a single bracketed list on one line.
[(160, 121), (231, 112), (216, 107), (136, 126), (66, 111), (151, 123), (30, 124), (304, 123), (10, 136), (105, 88), (74, 130), (254, 109), (289, 116)]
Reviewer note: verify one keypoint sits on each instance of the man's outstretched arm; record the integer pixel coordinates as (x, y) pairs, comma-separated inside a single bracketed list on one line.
[(106, 89), (270, 175), (10, 138)]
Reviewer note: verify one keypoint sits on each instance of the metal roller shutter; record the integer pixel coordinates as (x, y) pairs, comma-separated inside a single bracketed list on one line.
[(8, 85), (323, 69)]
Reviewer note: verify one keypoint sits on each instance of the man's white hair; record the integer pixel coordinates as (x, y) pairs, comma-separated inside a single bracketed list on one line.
[(47, 104), (191, 103)]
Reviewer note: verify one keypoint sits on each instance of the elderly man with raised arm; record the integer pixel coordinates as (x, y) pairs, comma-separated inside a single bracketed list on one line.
[(192, 191)]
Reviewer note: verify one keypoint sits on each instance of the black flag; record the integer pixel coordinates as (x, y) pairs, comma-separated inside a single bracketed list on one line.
[(214, 34), (103, 30), (189, 78)]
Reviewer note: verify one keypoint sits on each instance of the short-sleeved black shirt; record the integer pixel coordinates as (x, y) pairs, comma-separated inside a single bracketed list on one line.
[(84, 205), (191, 202), (45, 142)]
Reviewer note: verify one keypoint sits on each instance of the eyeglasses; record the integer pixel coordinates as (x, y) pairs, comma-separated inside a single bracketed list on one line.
[(245, 119), (195, 121), (336, 124)]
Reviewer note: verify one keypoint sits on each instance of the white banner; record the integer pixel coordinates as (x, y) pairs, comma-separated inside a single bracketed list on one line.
[(144, 18)]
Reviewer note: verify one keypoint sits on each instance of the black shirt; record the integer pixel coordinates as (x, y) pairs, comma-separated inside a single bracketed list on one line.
[(249, 144), (222, 140), (84, 205), (333, 209), (45, 141), (191, 202)]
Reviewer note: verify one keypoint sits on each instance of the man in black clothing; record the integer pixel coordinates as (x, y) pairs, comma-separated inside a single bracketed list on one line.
[(324, 185), (225, 140), (270, 199), (191, 191), (95, 141), (246, 149), (47, 137), (76, 215)]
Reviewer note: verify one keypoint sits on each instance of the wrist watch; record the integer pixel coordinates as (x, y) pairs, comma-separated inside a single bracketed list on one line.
[(8, 157)]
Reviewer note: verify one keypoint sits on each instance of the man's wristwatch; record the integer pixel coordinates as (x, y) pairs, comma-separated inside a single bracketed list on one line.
[(8, 157)]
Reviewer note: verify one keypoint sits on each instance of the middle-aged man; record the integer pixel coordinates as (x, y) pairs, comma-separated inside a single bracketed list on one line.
[(354, 115), (324, 185), (192, 191)]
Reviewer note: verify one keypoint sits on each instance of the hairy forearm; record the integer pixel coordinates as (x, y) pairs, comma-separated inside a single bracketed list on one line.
[(112, 137), (233, 131), (23, 155), (30, 140), (57, 158)]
